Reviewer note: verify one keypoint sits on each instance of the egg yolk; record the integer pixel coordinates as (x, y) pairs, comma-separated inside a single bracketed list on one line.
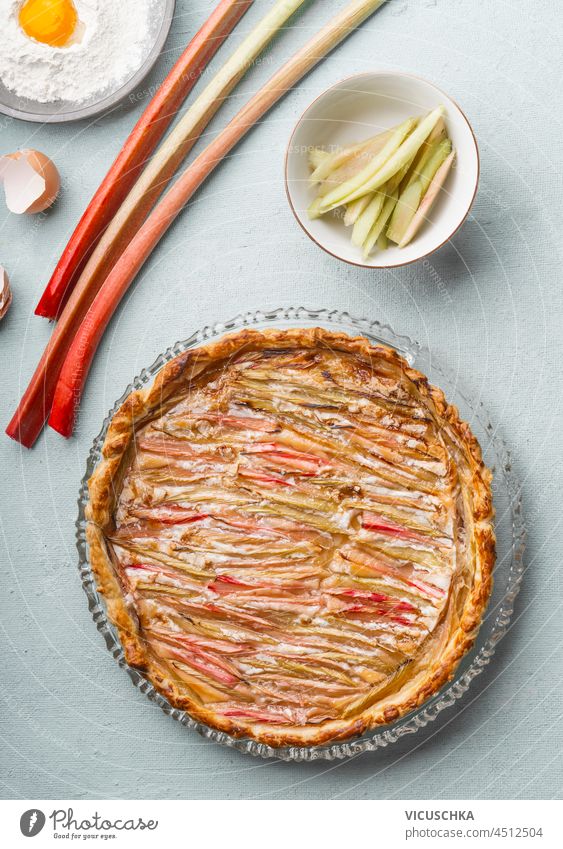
[(49, 21)]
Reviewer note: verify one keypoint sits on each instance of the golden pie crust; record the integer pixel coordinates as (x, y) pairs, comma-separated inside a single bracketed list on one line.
[(292, 532)]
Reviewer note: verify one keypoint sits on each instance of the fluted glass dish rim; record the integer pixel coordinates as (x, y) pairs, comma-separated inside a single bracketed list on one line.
[(510, 542)]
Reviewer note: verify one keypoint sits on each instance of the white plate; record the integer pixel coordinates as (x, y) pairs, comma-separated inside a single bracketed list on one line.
[(360, 107)]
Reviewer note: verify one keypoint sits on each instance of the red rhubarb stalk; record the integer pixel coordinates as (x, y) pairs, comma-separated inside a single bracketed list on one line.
[(268, 480), (81, 352), (143, 139)]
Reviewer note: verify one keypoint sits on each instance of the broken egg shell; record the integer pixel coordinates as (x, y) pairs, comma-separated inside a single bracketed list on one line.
[(5, 293), (31, 181)]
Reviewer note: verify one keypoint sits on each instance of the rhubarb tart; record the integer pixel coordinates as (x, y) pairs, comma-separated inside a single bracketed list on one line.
[(292, 532)]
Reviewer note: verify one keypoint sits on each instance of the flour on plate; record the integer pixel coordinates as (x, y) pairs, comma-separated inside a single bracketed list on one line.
[(115, 39)]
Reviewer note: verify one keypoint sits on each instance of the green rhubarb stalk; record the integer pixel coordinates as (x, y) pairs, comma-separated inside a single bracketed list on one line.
[(403, 154), (439, 154), (379, 225), (396, 181), (438, 134), (355, 209), (314, 209), (411, 197), (345, 192), (404, 211), (431, 194), (367, 219)]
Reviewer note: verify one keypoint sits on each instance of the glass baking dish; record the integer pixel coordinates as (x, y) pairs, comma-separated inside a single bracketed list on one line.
[(509, 527)]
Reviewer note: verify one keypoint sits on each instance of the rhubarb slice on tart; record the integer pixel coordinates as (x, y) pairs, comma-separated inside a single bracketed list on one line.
[(292, 531)]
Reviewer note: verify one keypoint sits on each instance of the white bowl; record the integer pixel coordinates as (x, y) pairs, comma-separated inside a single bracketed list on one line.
[(62, 111), (357, 108)]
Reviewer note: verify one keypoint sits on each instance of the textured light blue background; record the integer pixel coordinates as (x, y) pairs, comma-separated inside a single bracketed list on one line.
[(490, 304)]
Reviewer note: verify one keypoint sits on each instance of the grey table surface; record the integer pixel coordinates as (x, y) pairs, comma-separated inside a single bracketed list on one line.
[(489, 304)]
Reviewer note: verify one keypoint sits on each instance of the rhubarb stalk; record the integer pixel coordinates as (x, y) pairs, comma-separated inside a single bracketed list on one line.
[(83, 348), (29, 418), (143, 139)]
